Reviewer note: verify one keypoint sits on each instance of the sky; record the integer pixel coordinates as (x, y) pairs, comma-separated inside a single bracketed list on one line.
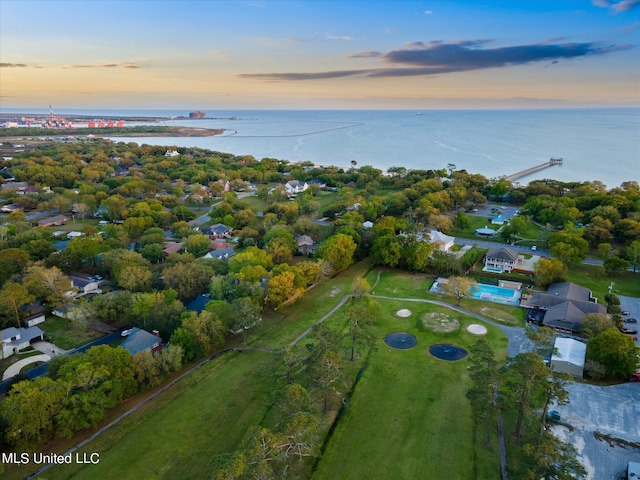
[(323, 54)]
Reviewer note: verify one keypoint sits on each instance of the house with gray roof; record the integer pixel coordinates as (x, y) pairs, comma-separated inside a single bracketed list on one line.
[(142, 341), (219, 230), (564, 305), (502, 258), (306, 245), (12, 339), (221, 254)]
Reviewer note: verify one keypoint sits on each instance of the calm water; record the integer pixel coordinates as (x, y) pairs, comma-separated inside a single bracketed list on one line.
[(596, 144)]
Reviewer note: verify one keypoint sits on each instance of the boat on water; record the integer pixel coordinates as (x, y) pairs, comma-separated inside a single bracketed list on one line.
[(419, 113)]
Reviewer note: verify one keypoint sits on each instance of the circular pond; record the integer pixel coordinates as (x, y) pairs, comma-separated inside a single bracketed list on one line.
[(400, 340), (446, 351)]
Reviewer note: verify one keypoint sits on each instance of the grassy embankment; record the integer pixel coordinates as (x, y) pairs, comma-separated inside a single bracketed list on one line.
[(417, 399)]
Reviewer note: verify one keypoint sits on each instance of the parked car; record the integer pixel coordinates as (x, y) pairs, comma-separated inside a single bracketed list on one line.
[(630, 320), (624, 312), (628, 331), (534, 248), (635, 377), (126, 333)]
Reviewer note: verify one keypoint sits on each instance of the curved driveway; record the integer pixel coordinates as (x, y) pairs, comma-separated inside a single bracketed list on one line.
[(14, 369)]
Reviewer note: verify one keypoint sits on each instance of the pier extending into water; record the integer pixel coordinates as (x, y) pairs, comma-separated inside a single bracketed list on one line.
[(528, 171)]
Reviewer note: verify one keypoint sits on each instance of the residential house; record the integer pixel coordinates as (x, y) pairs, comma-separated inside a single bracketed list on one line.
[(63, 310), (218, 245), (501, 258), (84, 285), (53, 221), (295, 186), (568, 357), (172, 247), (306, 245), (171, 153), (21, 188), (226, 185), (142, 341), (322, 185), (199, 303), (221, 254), (440, 241), (564, 306), (12, 339), (10, 208), (219, 230)]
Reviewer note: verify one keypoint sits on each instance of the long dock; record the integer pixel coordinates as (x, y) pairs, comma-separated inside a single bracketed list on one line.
[(528, 171)]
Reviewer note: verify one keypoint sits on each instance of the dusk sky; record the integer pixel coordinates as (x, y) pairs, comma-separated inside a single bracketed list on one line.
[(319, 54)]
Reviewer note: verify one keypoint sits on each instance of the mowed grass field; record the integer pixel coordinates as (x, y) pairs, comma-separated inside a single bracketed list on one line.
[(177, 434), (408, 417)]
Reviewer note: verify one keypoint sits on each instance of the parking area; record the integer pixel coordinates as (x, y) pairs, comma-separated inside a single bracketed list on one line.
[(613, 411), (492, 210), (631, 305), (601, 459)]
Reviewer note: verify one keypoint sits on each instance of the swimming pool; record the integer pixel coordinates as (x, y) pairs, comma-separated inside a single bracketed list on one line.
[(488, 293), (492, 270), (491, 293)]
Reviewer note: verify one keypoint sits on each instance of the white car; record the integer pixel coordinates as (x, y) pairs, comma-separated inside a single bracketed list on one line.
[(126, 333), (534, 248)]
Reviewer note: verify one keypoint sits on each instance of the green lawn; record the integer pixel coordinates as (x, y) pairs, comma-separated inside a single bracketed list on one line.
[(408, 416), (55, 328), (592, 277), (177, 434)]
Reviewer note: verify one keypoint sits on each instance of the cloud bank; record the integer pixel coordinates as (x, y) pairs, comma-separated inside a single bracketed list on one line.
[(438, 58)]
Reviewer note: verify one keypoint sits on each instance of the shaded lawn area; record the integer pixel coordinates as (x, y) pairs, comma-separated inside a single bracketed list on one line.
[(279, 328), (408, 416), (592, 277), (177, 434), (475, 222), (56, 328)]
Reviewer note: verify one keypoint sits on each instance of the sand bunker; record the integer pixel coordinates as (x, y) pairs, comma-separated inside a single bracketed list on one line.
[(477, 329), (403, 313), (440, 322)]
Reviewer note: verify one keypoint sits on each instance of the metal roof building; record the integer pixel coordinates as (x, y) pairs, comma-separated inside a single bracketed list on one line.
[(568, 357)]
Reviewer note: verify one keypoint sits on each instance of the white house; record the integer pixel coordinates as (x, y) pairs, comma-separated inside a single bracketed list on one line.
[(501, 258), (569, 356), (295, 186), (84, 285), (440, 241), (12, 339)]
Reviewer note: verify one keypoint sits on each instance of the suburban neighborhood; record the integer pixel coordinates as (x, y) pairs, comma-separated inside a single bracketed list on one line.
[(128, 272)]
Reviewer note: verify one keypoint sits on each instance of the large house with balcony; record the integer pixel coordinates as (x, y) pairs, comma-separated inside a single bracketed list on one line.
[(501, 258)]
